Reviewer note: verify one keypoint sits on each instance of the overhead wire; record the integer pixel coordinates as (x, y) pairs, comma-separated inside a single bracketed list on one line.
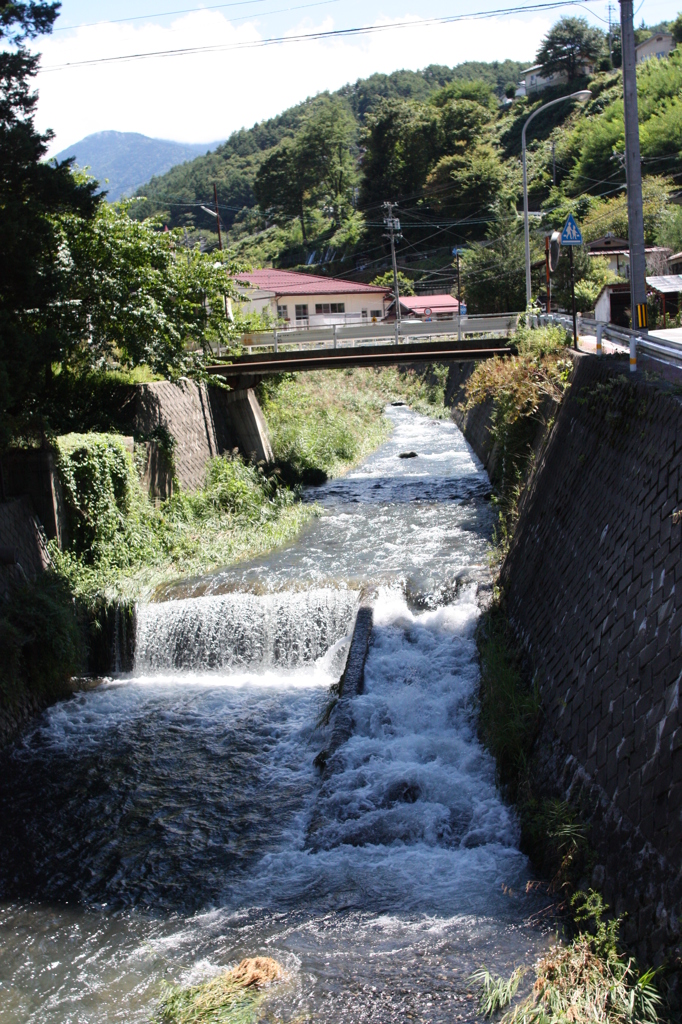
[(313, 36)]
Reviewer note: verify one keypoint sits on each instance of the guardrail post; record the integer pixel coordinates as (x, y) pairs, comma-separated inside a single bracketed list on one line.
[(600, 331), (276, 340), (335, 344), (633, 354)]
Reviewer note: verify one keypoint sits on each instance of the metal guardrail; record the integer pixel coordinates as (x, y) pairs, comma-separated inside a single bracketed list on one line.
[(347, 335), (664, 350)]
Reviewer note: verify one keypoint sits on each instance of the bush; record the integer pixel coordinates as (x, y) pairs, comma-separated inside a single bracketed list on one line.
[(40, 640)]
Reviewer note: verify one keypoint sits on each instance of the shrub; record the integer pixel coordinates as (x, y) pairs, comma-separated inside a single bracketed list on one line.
[(40, 640)]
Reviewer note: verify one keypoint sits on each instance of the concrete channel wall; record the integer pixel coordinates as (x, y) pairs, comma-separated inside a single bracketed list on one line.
[(593, 589)]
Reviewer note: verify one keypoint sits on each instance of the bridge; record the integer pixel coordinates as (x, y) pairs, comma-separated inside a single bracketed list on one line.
[(341, 347)]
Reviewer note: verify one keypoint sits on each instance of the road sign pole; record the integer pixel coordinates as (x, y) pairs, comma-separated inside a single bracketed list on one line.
[(575, 323), (633, 170)]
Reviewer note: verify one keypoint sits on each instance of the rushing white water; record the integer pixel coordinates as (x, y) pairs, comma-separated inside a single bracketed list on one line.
[(163, 826), (236, 631)]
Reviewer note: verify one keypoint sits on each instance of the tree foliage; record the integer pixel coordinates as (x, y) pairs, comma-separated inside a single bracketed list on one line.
[(493, 274), (31, 193), (569, 46), (314, 168)]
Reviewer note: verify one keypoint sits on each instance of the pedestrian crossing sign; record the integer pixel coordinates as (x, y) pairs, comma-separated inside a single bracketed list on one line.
[(571, 233)]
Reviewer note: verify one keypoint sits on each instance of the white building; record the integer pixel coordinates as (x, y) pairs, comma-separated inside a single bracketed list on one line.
[(617, 252), (302, 300), (533, 81), (658, 45)]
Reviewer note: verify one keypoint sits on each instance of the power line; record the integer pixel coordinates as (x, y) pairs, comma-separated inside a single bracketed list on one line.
[(162, 14), (312, 36)]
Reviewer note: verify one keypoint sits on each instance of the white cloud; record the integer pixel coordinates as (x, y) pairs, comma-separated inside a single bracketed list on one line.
[(202, 97)]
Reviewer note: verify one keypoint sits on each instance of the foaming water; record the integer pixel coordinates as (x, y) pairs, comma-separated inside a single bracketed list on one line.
[(236, 631), (163, 826)]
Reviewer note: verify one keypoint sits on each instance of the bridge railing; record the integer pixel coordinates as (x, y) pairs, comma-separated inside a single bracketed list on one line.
[(350, 335), (666, 350)]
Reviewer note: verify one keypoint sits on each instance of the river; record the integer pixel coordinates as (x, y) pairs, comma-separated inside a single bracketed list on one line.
[(165, 825)]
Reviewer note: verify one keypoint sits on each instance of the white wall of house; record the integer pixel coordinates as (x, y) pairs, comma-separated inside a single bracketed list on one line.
[(658, 45), (602, 307), (318, 310)]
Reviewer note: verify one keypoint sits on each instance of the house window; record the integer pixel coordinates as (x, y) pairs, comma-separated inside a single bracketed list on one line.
[(302, 312), (329, 307), (282, 312), (364, 314), (376, 314)]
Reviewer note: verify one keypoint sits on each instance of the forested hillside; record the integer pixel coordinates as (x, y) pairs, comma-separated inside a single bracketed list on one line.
[(307, 188)]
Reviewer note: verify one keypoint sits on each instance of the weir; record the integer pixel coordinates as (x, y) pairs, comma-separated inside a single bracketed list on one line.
[(177, 819)]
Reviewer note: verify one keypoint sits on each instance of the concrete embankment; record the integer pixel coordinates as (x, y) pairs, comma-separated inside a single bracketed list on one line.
[(592, 590)]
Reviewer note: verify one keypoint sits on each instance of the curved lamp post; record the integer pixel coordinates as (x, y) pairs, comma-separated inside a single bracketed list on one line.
[(582, 96)]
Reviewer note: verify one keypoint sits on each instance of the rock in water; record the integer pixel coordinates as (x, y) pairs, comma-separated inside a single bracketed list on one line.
[(407, 455)]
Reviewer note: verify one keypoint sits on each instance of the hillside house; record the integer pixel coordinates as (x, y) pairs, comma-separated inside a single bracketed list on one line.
[(307, 300), (617, 252), (658, 45), (533, 80)]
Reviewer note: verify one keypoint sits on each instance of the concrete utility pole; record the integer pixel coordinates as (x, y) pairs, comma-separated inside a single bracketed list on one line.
[(633, 171), (393, 225)]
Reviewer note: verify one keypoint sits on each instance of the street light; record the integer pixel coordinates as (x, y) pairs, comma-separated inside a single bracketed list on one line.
[(582, 96)]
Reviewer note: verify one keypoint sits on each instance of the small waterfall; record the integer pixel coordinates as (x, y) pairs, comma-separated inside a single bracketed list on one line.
[(237, 631)]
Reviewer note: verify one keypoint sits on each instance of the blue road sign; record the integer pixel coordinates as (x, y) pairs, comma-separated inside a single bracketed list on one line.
[(571, 233)]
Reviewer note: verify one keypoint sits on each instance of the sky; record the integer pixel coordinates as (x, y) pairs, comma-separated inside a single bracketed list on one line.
[(202, 97)]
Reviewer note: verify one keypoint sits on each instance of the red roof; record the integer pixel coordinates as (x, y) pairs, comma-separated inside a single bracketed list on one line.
[(436, 303), (290, 282)]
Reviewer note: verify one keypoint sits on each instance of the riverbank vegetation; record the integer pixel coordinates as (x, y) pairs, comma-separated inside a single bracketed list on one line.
[(589, 979), (524, 392), (323, 423)]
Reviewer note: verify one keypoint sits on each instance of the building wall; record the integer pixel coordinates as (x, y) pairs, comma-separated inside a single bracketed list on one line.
[(353, 304), (657, 46)]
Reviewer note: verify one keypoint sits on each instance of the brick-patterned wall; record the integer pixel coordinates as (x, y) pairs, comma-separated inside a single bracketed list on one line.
[(23, 549), (204, 422), (593, 586)]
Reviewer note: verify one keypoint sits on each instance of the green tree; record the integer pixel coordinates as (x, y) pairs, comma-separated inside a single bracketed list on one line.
[(324, 146), (405, 283), (467, 184), (676, 29), (31, 193), (401, 142), (314, 168), (569, 46), (283, 183), (493, 273), (132, 294)]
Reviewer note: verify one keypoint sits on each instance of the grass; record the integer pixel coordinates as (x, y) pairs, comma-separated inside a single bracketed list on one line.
[(123, 546), (233, 997), (586, 981), (323, 423), (524, 391)]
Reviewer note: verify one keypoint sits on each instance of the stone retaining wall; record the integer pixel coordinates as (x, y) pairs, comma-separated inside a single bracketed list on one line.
[(593, 585)]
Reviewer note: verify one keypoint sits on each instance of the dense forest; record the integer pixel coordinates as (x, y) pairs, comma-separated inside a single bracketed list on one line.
[(306, 188)]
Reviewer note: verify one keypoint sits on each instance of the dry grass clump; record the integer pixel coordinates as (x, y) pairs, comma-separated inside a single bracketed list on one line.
[(231, 998)]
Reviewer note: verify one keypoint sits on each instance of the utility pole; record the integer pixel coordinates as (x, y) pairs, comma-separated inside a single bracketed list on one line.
[(220, 246), (553, 162), (393, 225), (633, 171), (610, 9)]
